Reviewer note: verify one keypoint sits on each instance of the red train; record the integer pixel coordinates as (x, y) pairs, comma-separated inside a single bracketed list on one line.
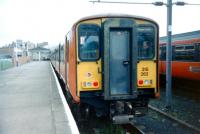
[(185, 55)]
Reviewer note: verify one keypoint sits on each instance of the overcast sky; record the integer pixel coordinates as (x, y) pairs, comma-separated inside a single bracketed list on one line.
[(50, 20)]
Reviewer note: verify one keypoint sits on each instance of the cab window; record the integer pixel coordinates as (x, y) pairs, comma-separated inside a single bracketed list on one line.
[(88, 45), (146, 42)]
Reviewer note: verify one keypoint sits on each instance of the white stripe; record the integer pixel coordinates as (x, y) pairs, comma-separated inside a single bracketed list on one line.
[(72, 123)]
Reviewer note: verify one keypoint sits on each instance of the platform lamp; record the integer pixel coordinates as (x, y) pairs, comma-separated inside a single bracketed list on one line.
[(169, 49)]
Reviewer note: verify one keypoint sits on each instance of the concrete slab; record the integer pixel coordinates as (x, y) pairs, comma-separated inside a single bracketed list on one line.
[(30, 102)]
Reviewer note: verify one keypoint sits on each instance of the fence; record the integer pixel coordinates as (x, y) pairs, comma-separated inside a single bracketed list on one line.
[(5, 64)]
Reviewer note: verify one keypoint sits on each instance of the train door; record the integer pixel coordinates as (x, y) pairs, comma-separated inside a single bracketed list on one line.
[(119, 61), (120, 58)]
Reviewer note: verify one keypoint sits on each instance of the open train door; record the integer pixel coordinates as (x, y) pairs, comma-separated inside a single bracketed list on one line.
[(120, 59)]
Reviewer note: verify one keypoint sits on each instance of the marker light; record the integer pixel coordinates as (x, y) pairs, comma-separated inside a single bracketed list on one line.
[(95, 84), (140, 82)]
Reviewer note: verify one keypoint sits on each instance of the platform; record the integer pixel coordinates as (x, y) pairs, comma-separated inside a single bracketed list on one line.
[(30, 102)]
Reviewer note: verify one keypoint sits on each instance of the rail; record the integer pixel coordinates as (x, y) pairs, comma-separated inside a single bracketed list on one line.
[(132, 129), (174, 118)]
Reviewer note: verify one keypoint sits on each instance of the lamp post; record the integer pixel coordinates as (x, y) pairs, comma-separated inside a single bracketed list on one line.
[(169, 55), (16, 55), (169, 4), (169, 49)]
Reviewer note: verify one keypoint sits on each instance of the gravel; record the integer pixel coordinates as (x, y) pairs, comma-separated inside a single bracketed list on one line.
[(183, 108)]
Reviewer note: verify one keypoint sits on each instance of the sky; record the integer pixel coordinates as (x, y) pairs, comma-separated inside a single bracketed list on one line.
[(50, 20)]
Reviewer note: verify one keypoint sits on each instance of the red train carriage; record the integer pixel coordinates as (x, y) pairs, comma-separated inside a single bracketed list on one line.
[(185, 55)]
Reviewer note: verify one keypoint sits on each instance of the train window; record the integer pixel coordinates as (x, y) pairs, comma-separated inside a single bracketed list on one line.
[(89, 42), (191, 47), (62, 55), (146, 42), (179, 47), (197, 52), (67, 51), (185, 52), (163, 53)]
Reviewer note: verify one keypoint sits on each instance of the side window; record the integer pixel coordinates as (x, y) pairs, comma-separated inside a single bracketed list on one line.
[(57, 55), (185, 52), (67, 46), (146, 42), (162, 52), (61, 54), (89, 45), (197, 52), (67, 51)]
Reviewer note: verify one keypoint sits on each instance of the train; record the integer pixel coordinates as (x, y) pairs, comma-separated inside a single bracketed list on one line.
[(185, 56), (109, 65)]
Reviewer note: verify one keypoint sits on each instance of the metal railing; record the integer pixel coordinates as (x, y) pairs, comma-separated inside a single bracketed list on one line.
[(5, 64)]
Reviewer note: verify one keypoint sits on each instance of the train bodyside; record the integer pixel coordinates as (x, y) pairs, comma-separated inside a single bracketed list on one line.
[(185, 59), (106, 67), (58, 62)]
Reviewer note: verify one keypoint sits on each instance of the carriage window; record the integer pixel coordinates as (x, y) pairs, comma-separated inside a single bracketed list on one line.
[(146, 42), (179, 47), (163, 53), (189, 47), (197, 52), (62, 54), (89, 42), (186, 53)]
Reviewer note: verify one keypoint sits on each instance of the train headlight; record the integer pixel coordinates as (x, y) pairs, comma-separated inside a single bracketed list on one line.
[(88, 84), (146, 82)]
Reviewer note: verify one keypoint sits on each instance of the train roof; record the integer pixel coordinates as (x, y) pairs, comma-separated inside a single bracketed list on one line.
[(182, 36), (115, 15)]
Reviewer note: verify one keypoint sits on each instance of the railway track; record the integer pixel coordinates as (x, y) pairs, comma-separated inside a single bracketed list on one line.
[(132, 129), (105, 126), (183, 87), (174, 118)]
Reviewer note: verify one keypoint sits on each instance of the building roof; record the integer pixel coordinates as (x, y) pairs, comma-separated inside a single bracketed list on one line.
[(39, 49)]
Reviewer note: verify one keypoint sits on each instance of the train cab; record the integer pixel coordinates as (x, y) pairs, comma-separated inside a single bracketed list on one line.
[(112, 63)]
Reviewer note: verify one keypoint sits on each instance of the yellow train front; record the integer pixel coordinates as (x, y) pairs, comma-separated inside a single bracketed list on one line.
[(116, 65)]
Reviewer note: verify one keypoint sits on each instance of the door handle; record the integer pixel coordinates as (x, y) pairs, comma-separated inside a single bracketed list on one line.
[(99, 70), (126, 62)]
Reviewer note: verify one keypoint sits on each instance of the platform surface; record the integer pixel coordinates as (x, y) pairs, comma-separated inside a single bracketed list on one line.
[(30, 102)]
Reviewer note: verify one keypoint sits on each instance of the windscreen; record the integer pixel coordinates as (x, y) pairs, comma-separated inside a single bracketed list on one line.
[(146, 42), (89, 42)]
